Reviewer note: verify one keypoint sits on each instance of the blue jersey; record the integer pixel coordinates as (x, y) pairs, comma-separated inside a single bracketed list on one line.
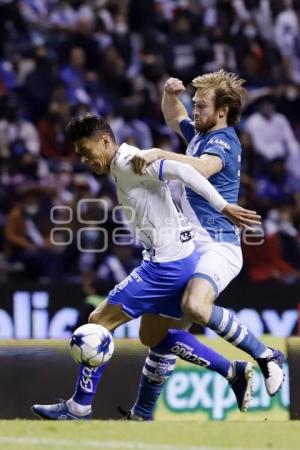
[(225, 144)]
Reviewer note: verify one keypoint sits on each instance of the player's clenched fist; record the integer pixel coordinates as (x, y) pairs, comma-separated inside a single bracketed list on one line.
[(174, 86), (143, 159)]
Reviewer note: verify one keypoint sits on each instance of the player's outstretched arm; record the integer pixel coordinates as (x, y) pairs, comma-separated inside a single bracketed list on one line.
[(206, 165), (172, 170), (173, 110)]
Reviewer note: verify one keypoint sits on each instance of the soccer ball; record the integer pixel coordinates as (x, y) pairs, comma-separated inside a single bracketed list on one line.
[(91, 345)]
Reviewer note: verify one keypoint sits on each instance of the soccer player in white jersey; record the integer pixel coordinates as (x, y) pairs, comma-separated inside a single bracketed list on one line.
[(157, 285), (214, 150)]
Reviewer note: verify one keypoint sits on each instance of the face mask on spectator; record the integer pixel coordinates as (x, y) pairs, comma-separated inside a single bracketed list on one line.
[(250, 31), (291, 93), (121, 28), (31, 210)]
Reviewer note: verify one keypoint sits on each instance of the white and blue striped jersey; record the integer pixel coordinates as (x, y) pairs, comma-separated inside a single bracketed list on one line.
[(149, 209), (148, 206)]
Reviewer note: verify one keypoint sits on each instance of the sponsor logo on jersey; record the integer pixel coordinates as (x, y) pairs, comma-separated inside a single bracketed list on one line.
[(185, 236), (220, 142)]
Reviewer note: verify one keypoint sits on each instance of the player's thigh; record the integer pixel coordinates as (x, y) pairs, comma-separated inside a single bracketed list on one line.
[(109, 316), (154, 328), (217, 267)]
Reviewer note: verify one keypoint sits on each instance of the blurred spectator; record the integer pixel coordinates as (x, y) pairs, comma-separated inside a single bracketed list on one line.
[(62, 181), (113, 74), (257, 12), (277, 187), (271, 133), (39, 84), (141, 15), (83, 37), (281, 222), (74, 75), (127, 45), (129, 128), (181, 53), (18, 135), (223, 55), (27, 237), (63, 17), (287, 38), (265, 260), (51, 130)]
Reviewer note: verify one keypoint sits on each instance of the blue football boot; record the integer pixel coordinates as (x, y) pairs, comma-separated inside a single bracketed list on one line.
[(57, 411), (242, 383)]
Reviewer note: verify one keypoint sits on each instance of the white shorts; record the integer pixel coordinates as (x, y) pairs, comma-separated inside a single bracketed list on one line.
[(218, 263)]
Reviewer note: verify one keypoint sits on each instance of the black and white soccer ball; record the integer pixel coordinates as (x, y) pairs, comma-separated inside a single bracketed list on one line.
[(91, 345)]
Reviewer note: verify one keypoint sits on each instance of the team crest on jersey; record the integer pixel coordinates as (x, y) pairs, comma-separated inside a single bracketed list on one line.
[(220, 142)]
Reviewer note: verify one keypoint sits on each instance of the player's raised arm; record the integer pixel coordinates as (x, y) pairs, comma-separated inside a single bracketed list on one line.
[(173, 110), (172, 170)]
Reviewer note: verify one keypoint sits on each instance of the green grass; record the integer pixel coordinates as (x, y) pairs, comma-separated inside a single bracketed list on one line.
[(109, 435)]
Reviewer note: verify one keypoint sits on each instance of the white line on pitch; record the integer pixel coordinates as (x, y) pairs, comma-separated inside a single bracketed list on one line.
[(116, 445)]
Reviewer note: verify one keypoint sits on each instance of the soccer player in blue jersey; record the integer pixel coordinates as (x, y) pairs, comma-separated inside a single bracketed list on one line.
[(214, 150), (169, 260)]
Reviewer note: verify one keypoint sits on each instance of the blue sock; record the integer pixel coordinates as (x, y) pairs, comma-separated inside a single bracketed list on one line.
[(187, 347), (157, 369), (87, 384), (228, 327)]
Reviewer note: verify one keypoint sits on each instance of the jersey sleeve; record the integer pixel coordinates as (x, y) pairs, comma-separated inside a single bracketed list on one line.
[(187, 129), (173, 170), (218, 146)]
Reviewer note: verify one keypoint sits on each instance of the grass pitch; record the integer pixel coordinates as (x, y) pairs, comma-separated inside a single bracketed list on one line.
[(109, 435)]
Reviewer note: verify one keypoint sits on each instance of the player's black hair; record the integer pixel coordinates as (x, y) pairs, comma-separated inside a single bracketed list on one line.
[(87, 126)]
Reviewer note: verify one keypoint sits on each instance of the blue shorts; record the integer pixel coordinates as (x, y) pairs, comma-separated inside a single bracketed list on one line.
[(155, 288)]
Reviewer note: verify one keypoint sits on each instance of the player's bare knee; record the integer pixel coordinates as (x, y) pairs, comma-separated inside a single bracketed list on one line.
[(149, 340), (94, 317), (146, 341), (190, 307), (197, 310)]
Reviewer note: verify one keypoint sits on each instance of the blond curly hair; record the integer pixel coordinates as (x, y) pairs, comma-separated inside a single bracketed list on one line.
[(228, 91)]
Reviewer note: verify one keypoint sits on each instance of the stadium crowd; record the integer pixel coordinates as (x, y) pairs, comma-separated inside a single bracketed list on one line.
[(60, 58)]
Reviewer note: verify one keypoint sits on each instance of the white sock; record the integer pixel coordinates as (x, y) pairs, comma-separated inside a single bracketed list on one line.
[(266, 353), (77, 409)]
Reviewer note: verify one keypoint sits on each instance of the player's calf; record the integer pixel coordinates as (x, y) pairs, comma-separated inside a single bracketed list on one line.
[(226, 325), (157, 369)]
